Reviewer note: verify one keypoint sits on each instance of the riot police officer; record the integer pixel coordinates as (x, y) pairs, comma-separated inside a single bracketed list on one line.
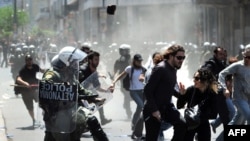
[(64, 72), (120, 64), (16, 61)]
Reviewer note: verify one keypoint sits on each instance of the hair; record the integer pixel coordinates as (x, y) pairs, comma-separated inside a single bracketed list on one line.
[(172, 50), (232, 60), (216, 50), (92, 54), (28, 57), (157, 53), (207, 78), (154, 54), (247, 49)]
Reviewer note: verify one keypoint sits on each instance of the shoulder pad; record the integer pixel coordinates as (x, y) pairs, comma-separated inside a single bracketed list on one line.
[(51, 75)]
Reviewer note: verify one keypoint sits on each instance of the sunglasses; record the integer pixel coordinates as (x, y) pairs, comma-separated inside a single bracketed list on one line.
[(180, 57), (196, 78), (247, 57)]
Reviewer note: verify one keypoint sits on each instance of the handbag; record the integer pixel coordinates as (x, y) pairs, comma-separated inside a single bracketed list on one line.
[(192, 114), (192, 117)]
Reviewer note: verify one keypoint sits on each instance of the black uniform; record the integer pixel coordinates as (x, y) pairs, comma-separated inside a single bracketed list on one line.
[(208, 110), (159, 91), (120, 64)]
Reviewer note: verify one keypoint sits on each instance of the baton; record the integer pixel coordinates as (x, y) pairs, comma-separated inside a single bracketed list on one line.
[(32, 85)]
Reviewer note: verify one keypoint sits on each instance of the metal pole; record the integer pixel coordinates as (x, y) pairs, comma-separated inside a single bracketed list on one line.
[(103, 3), (15, 17)]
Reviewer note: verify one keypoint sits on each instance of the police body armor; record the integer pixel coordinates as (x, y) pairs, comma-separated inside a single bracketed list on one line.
[(79, 118)]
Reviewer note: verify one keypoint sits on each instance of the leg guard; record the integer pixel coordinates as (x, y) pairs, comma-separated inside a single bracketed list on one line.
[(96, 129)]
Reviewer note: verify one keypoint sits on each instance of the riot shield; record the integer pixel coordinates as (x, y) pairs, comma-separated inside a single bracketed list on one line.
[(98, 85), (58, 96)]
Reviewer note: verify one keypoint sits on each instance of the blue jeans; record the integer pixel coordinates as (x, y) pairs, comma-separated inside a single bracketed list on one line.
[(242, 114), (164, 126), (137, 120), (217, 122), (230, 107)]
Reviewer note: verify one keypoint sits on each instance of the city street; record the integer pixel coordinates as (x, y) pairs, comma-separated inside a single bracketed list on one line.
[(213, 33), (18, 122)]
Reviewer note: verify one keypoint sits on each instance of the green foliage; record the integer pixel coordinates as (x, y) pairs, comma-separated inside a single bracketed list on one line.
[(7, 20), (22, 17), (37, 31)]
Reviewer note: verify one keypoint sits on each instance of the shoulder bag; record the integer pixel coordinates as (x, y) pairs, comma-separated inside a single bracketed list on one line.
[(192, 114)]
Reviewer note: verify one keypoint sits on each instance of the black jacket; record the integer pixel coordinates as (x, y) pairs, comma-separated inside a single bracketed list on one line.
[(215, 66), (208, 109), (160, 88)]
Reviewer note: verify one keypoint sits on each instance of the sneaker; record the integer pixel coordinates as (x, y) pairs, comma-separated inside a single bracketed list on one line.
[(143, 138), (134, 137), (105, 121)]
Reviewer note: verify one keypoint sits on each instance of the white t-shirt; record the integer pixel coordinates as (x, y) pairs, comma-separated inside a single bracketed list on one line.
[(135, 84)]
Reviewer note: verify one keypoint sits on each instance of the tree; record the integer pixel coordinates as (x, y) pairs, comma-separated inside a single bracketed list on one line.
[(7, 20)]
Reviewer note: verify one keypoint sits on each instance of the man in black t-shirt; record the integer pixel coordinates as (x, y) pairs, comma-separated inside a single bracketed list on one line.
[(29, 83)]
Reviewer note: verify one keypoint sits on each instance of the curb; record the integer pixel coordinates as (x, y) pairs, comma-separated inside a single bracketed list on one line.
[(2, 128)]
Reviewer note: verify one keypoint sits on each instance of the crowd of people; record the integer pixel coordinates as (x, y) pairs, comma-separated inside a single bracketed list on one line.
[(220, 83)]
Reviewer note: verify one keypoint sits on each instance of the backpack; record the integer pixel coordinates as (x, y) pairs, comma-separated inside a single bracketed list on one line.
[(127, 79)]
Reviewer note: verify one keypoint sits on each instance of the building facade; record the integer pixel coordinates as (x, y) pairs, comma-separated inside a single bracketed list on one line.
[(224, 22)]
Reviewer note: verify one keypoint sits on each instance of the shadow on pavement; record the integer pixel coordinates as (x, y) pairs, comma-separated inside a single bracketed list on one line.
[(27, 128)]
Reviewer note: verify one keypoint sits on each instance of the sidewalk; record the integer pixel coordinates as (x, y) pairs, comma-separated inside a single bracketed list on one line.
[(2, 128)]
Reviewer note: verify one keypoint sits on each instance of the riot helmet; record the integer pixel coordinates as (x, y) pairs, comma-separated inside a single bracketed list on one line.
[(242, 46), (86, 47), (18, 53), (25, 49), (124, 49), (18, 49), (53, 48), (12, 48), (247, 46), (206, 46), (67, 62), (56, 63), (32, 49), (66, 56)]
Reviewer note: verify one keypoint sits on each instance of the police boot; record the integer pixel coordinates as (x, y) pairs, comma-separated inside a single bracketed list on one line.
[(96, 130)]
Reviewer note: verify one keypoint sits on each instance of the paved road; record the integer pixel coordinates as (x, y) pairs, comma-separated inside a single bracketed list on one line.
[(19, 123)]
